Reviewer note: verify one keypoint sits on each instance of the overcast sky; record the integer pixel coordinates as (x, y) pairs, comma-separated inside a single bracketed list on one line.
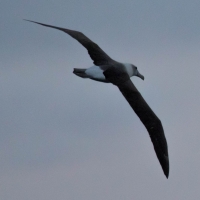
[(63, 137)]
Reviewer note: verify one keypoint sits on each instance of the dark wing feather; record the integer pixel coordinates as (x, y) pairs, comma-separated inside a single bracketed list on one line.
[(96, 53), (146, 115)]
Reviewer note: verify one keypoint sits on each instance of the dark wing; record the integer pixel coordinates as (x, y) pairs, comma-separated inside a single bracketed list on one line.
[(144, 112), (96, 53)]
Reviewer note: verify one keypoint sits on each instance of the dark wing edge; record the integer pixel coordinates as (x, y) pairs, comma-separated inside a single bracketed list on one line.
[(146, 115), (96, 53)]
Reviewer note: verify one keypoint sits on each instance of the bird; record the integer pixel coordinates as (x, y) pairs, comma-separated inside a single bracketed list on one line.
[(107, 70)]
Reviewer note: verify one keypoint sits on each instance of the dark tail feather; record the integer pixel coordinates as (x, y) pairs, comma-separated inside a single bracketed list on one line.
[(80, 72)]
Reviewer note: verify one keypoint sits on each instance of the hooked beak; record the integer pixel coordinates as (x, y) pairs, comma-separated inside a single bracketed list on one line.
[(140, 75)]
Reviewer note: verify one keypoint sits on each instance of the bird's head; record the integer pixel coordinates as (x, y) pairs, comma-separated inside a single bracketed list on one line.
[(133, 71), (136, 72)]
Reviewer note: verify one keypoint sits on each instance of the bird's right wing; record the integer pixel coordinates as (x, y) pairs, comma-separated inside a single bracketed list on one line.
[(145, 113), (96, 53)]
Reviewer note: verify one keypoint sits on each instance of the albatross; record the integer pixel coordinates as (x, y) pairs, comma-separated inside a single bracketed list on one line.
[(107, 70)]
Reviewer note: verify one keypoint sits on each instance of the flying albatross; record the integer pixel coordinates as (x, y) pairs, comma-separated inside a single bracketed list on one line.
[(107, 70)]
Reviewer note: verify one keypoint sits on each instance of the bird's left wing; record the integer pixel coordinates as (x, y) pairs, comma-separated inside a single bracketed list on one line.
[(96, 53), (144, 112)]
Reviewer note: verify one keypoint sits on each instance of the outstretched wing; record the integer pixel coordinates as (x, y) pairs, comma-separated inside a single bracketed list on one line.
[(144, 112), (96, 53)]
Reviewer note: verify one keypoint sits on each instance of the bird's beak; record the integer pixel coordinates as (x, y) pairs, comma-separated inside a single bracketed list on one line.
[(140, 75)]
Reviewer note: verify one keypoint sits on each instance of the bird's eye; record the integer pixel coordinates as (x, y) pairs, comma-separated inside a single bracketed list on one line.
[(135, 67)]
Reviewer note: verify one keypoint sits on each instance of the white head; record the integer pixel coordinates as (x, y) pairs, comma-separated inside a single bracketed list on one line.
[(133, 71)]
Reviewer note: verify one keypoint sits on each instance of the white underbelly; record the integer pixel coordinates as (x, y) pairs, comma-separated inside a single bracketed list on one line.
[(95, 73)]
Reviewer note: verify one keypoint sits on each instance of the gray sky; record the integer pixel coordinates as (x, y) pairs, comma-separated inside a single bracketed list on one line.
[(63, 137)]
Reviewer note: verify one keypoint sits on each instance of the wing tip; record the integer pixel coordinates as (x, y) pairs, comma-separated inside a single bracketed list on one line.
[(35, 22), (165, 166), (166, 174), (29, 20)]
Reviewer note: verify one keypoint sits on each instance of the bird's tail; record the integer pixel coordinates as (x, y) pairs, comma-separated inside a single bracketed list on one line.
[(80, 72)]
